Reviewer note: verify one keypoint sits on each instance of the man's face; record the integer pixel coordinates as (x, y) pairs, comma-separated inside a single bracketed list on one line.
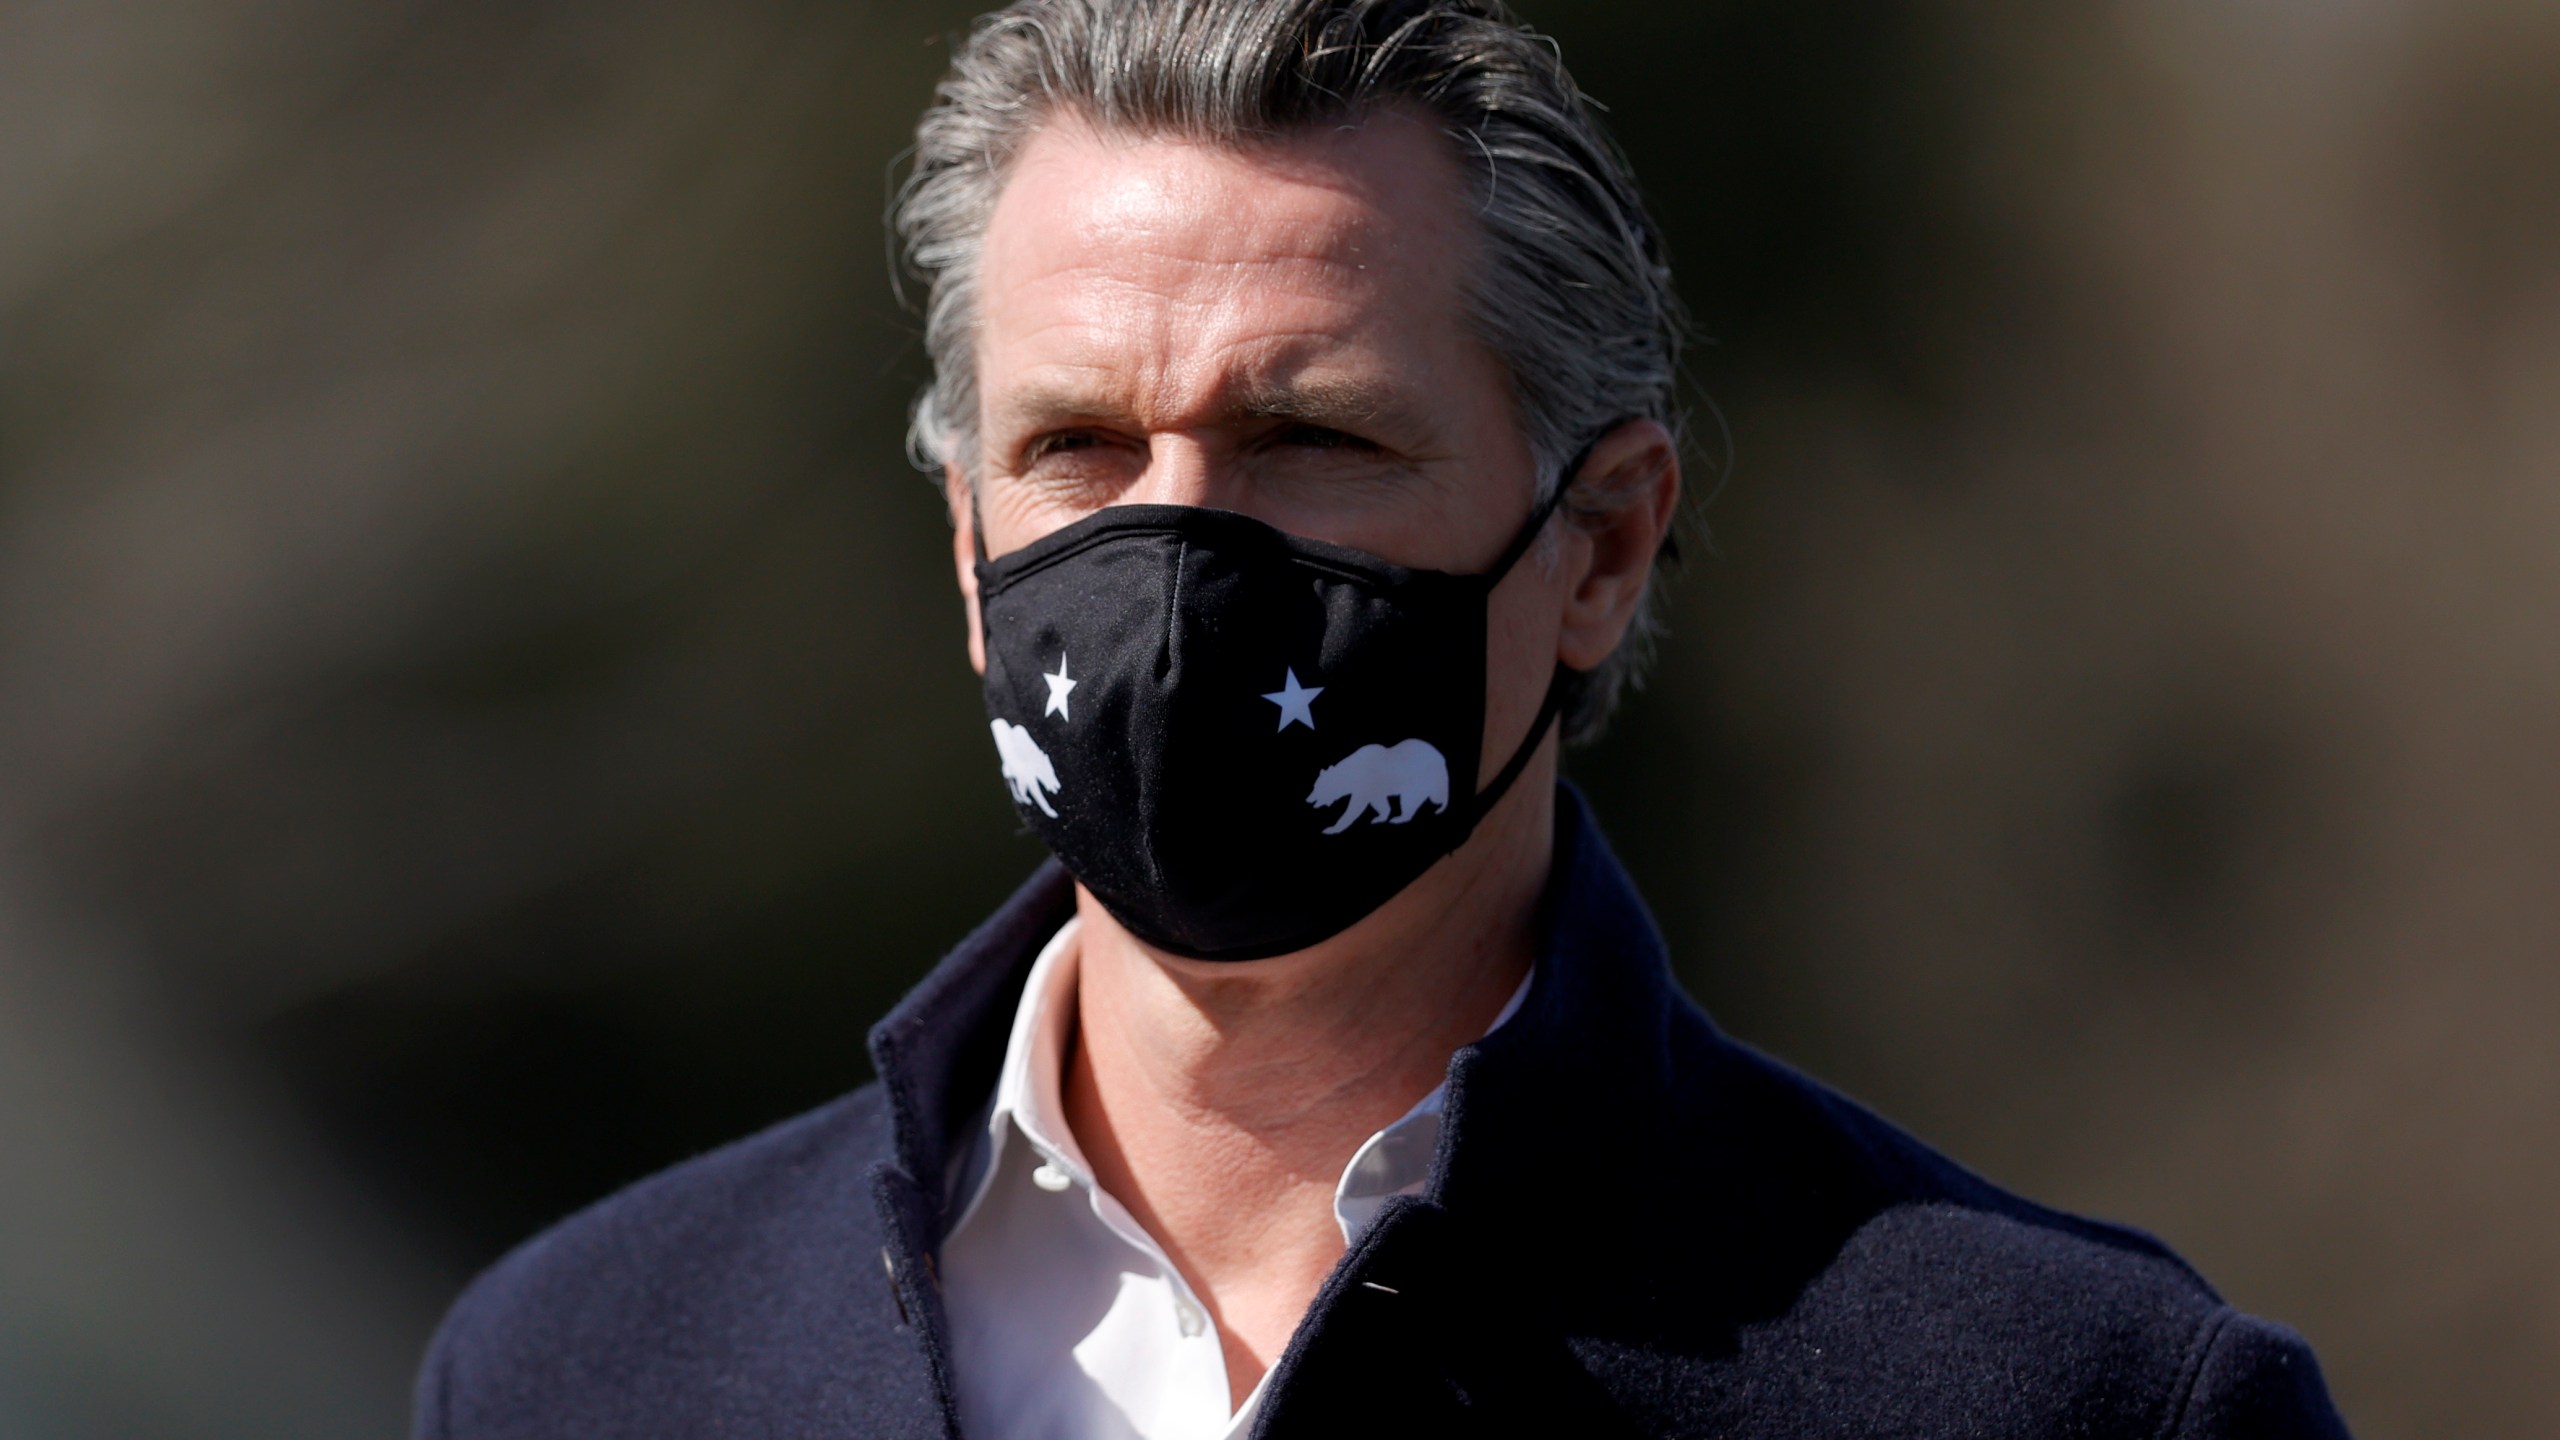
[(1281, 331)]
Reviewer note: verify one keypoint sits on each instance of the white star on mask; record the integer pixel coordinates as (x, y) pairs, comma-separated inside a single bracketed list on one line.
[(1295, 702), (1059, 685)]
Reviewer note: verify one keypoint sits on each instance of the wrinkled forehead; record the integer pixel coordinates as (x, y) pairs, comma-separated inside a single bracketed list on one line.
[(1175, 250)]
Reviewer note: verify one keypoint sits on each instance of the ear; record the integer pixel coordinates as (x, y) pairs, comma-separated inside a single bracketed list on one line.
[(964, 558), (1621, 508)]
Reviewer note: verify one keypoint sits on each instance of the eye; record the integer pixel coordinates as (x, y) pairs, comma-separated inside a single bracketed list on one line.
[(1064, 442), (1079, 453)]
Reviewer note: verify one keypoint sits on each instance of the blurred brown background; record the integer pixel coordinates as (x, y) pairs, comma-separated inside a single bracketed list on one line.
[(482, 713)]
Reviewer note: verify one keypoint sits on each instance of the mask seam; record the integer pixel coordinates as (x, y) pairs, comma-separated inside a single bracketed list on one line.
[(1355, 566)]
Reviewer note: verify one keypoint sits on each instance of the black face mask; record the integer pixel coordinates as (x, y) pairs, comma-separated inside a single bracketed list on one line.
[(1242, 742)]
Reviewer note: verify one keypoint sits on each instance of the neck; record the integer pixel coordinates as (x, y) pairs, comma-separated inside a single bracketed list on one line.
[(1219, 1102)]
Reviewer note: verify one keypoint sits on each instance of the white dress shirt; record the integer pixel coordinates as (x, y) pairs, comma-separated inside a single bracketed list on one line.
[(1067, 1320)]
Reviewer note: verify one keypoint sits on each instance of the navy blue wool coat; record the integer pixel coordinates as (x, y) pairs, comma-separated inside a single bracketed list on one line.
[(1635, 1226)]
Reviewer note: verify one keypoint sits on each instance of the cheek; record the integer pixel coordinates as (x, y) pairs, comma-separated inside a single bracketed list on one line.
[(1525, 619), (1522, 630), (1013, 512)]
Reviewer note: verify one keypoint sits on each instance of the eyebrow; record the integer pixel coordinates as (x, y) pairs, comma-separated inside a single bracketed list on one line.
[(1319, 400), (1335, 402)]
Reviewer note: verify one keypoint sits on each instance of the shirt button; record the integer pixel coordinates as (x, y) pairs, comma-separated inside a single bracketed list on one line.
[(1188, 1316), (1050, 1178)]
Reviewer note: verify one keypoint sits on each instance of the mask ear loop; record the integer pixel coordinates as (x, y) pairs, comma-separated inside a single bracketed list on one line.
[(1536, 524), (1561, 685), (1491, 795)]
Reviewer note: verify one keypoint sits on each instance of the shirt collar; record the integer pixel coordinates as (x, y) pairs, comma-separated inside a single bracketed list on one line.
[(1029, 1099), (1397, 1160), (1029, 1092)]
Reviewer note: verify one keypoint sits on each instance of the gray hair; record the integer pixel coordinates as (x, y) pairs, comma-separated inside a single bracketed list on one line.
[(1574, 294)]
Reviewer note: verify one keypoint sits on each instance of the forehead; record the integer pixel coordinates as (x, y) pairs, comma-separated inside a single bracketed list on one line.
[(1169, 260)]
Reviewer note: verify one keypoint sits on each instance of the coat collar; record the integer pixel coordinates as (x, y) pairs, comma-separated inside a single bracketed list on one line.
[(938, 1050), (1594, 1037), (1550, 1101)]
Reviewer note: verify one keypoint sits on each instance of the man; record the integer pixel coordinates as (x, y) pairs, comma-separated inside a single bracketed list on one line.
[(1303, 396)]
